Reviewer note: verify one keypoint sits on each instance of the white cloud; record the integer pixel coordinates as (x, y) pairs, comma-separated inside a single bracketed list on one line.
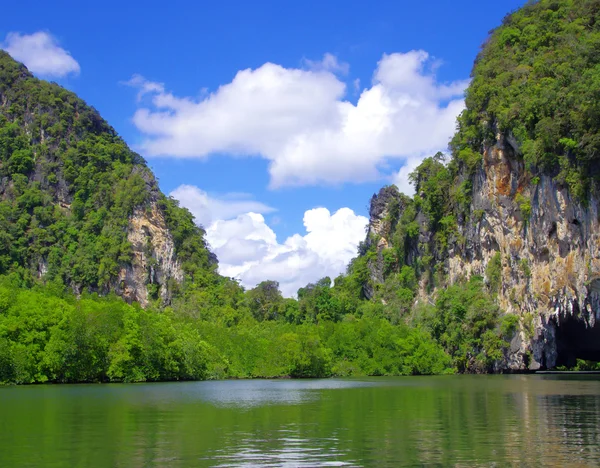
[(329, 63), (207, 209), (145, 86), (248, 249), (300, 121), (40, 53), (400, 179)]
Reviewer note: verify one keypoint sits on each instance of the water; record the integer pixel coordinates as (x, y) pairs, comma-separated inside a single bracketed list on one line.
[(551, 420)]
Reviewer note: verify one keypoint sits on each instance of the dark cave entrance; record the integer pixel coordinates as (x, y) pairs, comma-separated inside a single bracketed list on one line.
[(575, 340)]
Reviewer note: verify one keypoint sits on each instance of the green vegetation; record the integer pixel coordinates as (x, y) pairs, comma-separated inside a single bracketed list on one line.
[(537, 79), (493, 272), (524, 205), (581, 365), (69, 185), (468, 324), (524, 266), (47, 335)]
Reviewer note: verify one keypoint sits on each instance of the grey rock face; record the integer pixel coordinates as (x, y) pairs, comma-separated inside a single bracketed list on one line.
[(550, 256), (154, 261)]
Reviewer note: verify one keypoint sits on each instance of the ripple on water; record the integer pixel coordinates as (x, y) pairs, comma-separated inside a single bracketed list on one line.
[(281, 448)]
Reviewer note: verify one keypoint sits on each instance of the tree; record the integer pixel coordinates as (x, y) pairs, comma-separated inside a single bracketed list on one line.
[(265, 301)]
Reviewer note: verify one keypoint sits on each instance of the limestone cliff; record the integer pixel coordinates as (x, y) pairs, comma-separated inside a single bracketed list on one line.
[(549, 251), (154, 262), (518, 201)]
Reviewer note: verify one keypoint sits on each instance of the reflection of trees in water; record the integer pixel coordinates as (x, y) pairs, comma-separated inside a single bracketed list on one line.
[(558, 423), (571, 427), (550, 423), (458, 421), (440, 421)]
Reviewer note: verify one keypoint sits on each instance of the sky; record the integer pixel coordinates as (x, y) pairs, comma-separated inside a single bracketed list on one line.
[(273, 122)]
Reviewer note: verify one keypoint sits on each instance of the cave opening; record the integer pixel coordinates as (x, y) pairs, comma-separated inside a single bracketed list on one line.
[(575, 340)]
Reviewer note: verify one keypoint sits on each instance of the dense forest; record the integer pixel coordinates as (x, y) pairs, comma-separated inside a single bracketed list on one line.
[(49, 335), (69, 186)]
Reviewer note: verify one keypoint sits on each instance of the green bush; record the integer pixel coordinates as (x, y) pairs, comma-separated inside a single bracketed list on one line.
[(509, 325), (493, 272), (466, 322), (524, 266), (524, 205)]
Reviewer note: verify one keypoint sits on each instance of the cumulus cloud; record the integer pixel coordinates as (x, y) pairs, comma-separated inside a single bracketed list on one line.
[(300, 121), (207, 209), (248, 249), (41, 54)]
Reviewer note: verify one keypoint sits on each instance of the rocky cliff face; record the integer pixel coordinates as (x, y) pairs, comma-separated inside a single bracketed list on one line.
[(77, 205), (548, 244), (153, 266), (154, 263)]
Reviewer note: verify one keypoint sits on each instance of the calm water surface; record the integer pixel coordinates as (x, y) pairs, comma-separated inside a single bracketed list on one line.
[(415, 421)]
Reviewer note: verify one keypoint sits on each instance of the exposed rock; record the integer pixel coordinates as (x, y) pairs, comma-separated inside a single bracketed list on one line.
[(378, 230), (154, 261), (550, 258)]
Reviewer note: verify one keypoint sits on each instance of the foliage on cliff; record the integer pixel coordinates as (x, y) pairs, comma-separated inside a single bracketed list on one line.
[(531, 117), (68, 185), (537, 78)]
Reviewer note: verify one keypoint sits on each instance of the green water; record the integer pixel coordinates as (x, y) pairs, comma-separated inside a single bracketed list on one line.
[(455, 420)]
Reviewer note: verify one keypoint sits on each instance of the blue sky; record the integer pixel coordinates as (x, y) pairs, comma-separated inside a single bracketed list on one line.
[(355, 91)]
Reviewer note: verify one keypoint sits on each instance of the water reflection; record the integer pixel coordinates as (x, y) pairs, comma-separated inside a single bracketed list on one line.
[(250, 393), (456, 420)]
